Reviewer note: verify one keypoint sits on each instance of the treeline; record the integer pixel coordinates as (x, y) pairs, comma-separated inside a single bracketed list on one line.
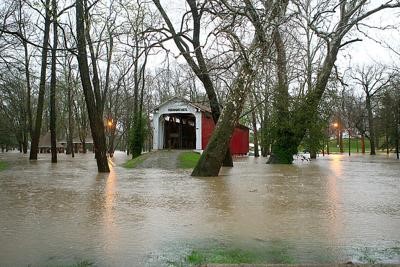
[(81, 68)]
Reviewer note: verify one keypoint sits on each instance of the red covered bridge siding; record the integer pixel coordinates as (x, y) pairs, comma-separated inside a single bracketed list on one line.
[(180, 124), (240, 139)]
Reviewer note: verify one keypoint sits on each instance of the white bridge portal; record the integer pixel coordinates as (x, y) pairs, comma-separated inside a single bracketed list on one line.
[(177, 125)]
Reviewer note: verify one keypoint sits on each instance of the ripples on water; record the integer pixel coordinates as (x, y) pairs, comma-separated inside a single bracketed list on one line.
[(334, 209)]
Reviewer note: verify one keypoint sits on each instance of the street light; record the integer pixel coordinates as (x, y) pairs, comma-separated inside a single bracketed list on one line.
[(109, 130), (110, 123), (336, 126)]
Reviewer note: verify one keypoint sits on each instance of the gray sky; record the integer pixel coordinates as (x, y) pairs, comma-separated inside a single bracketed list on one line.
[(359, 53)]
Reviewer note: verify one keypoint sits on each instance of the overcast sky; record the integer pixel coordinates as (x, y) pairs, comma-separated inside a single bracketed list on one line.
[(365, 52)]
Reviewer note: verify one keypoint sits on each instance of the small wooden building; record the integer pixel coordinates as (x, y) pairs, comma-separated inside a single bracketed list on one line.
[(181, 124), (45, 144), (79, 146)]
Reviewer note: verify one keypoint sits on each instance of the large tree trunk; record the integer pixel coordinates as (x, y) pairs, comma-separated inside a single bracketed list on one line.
[(363, 143), (70, 144), (327, 146), (28, 90), (254, 124), (25, 141), (42, 85), (135, 133), (397, 133), (200, 68), (28, 110), (94, 107), (53, 81), (397, 142), (371, 125), (283, 148), (212, 158), (84, 149), (387, 142), (210, 161), (266, 136), (290, 138)]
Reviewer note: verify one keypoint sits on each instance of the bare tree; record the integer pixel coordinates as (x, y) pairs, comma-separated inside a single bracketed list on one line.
[(93, 96), (53, 82), (195, 57), (42, 85), (210, 161), (335, 35), (373, 80)]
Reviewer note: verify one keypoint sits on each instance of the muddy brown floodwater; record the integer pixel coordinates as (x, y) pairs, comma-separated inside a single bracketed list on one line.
[(334, 209)]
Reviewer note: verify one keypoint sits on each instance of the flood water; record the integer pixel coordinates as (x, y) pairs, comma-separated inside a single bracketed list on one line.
[(334, 209)]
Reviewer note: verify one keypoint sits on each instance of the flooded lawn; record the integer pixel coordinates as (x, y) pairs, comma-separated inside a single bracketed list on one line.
[(334, 209)]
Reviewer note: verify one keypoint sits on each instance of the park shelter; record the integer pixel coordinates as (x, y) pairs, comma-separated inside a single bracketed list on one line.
[(45, 144), (181, 124), (80, 145)]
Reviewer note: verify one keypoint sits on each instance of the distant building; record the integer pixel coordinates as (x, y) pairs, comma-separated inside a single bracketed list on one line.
[(181, 124), (80, 146), (45, 144)]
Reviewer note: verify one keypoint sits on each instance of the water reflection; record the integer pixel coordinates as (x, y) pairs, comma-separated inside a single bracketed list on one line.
[(110, 195)]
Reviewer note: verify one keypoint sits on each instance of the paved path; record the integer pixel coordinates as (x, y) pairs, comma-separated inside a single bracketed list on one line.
[(162, 159)]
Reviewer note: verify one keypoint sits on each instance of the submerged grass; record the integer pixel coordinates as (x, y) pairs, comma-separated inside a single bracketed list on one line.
[(3, 165), (226, 256), (222, 255), (133, 163), (188, 160), (84, 263), (373, 255)]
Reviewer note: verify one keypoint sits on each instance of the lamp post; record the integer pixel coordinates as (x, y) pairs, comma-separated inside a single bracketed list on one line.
[(336, 126), (109, 127), (348, 130), (110, 123)]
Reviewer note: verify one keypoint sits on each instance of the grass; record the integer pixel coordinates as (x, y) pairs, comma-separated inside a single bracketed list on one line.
[(353, 145), (223, 255), (133, 163), (372, 255), (333, 148), (3, 165), (233, 256), (187, 160)]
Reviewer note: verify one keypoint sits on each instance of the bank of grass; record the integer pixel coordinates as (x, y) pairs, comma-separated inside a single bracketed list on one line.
[(133, 163), (275, 255), (355, 146), (370, 255), (188, 160), (354, 143), (234, 256), (3, 165)]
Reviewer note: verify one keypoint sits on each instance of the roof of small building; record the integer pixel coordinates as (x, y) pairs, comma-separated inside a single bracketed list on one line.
[(77, 140)]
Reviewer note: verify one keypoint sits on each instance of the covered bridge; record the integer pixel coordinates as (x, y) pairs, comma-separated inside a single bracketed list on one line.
[(181, 124)]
